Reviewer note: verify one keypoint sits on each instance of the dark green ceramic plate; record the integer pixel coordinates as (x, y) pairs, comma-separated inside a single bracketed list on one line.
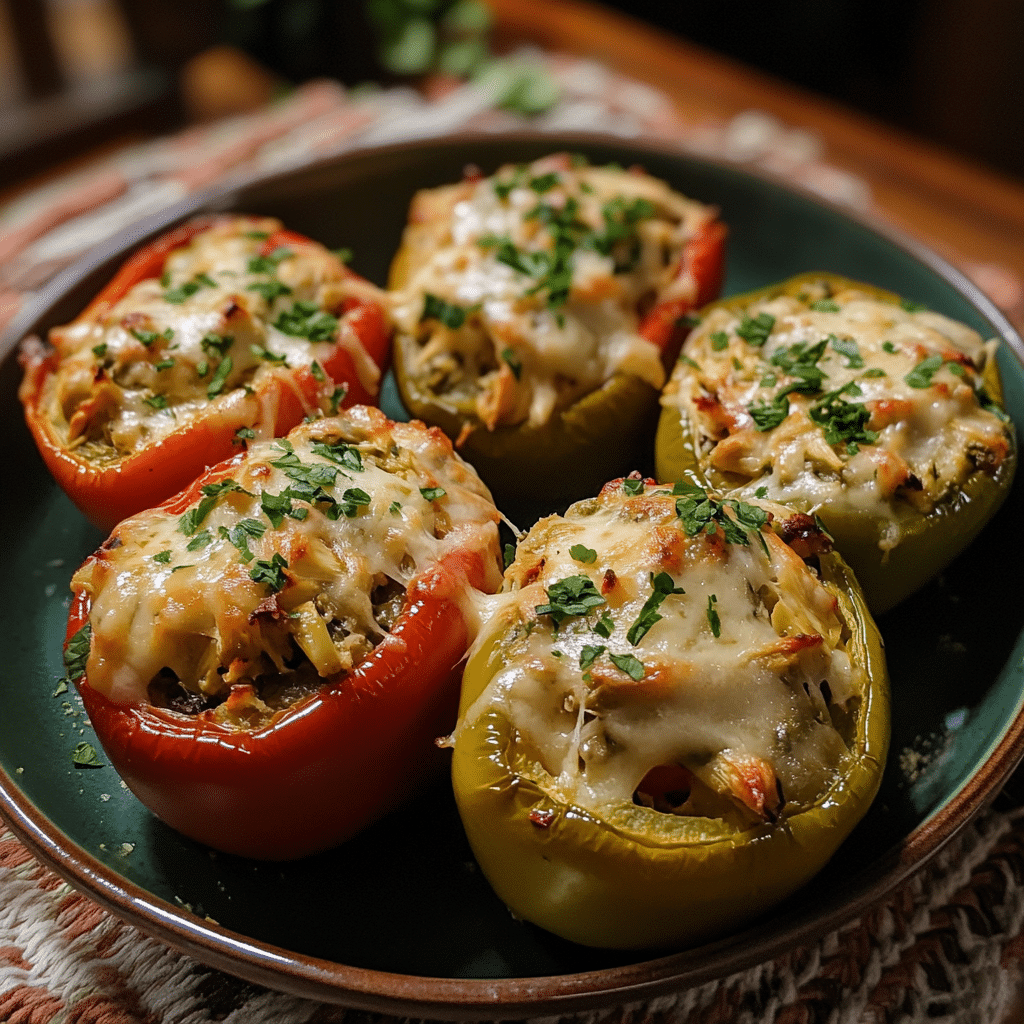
[(399, 920)]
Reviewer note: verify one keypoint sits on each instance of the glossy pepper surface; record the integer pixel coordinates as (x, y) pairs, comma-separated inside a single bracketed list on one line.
[(669, 831), (235, 385), (907, 452)]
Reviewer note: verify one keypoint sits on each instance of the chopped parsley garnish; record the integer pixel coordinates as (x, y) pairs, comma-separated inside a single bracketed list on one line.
[(176, 296), (240, 534), (755, 330), (604, 626), (432, 493), (395, 508), (270, 572), (514, 363), (921, 375), (825, 306), (761, 492), (843, 421), (353, 500), (633, 486), (719, 341), (698, 512), (544, 182), (307, 320), (270, 290), (245, 434), (448, 313), (509, 554), (76, 653), (156, 401), (633, 667), (662, 585), (581, 553), (574, 595), (276, 506), (713, 620), (847, 347), (874, 371), (957, 369), (163, 557), (268, 264), (193, 518), (890, 347), (84, 756), (199, 541), (216, 345), (343, 454), (589, 654), (220, 377), (149, 337), (768, 415), (336, 397), (693, 364), (265, 354), (202, 368), (163, 364), (503, 189), (99, 351), (318, 372)]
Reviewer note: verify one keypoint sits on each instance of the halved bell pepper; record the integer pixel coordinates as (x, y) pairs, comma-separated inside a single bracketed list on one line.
[(579, 445), (108, 482), (918, 520), (219, 706), (709, 840)]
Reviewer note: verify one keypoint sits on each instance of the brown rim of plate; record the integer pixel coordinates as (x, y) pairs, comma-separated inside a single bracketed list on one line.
[(466, 999)]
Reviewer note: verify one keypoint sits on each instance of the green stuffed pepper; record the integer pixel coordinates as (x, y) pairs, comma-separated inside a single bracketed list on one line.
[(669, 721), (538, 312), (837, 398)]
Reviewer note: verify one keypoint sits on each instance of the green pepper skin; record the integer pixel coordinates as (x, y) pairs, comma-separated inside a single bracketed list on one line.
[(929, 541), (597, 437), (636, 878)]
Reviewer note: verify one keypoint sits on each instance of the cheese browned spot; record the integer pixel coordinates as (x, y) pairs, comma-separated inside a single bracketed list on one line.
[(284, 574), (219, 321), (714, 679), (838, 399), (524, 291)]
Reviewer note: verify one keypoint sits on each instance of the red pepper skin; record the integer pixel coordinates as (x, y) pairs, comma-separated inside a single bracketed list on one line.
[(107, 494), (323, 769)]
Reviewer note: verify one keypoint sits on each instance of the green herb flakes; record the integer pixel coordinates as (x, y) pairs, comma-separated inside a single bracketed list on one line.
[(662, 586), (574, 595), (581, 553), (84, 756), (633, 667), (432, 493), (270, 572), (713, 619)]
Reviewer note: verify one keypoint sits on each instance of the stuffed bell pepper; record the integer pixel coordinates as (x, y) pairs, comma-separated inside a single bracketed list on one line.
[(880, 417), (676, 712), (224, 329), (268, 657), (538, 312)]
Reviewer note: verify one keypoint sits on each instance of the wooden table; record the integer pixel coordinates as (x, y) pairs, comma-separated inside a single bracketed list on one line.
[(961, 209)]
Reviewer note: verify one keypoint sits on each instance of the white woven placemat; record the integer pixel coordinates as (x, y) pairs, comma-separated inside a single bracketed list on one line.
[(947, 947)]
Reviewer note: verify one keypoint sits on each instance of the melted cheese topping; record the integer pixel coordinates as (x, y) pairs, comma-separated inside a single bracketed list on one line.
[(302, 555), (737, 688), (548, 268), (839, 399), (206, 334)]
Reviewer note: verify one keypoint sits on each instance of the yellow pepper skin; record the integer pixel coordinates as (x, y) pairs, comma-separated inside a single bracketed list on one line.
[(633, 877), (928, 541)]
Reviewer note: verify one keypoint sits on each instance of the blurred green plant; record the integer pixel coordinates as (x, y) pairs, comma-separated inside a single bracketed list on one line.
[(411, 38)]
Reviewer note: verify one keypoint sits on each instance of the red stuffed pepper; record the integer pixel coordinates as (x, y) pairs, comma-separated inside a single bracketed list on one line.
[(268, 657), (224, 329)]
